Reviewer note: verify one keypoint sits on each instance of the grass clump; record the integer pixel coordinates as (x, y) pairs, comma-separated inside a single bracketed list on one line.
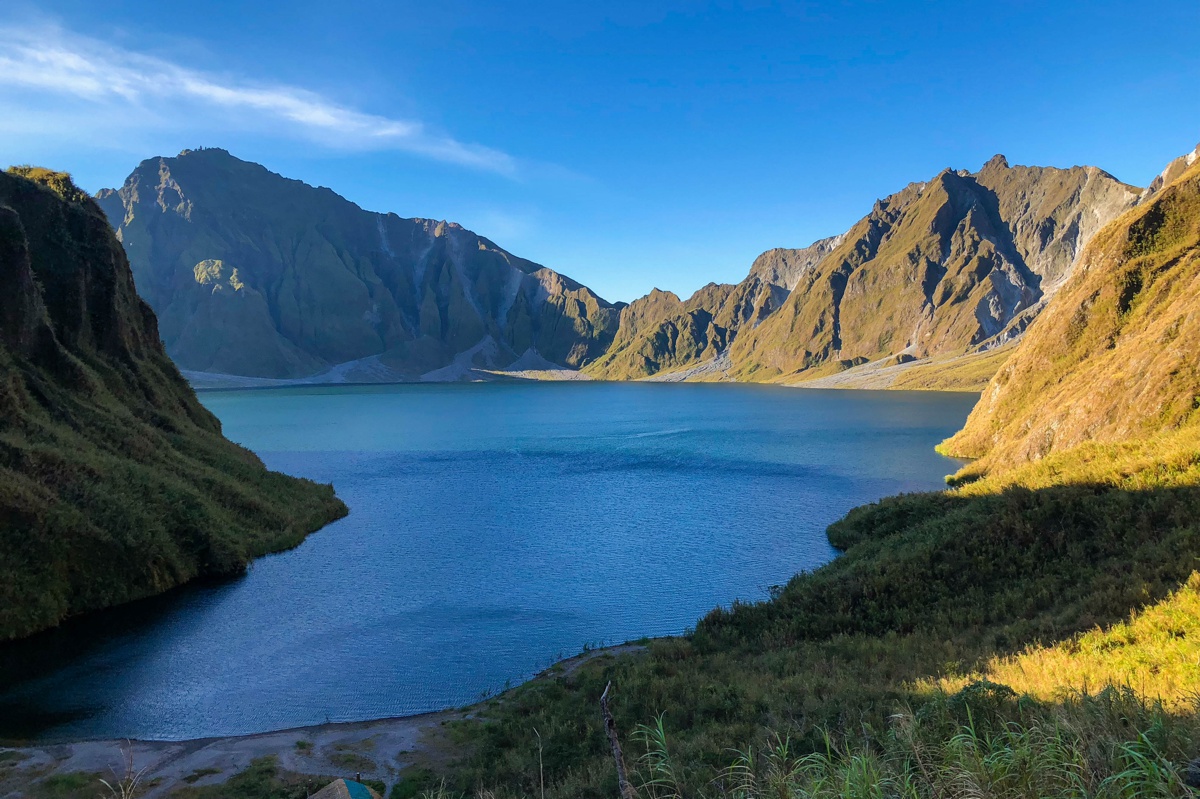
[(264, 779), (200, 774)]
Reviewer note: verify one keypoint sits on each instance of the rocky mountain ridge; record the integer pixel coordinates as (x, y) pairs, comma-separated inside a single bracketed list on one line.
[(255, 274), (1113, 357), (956, 265)]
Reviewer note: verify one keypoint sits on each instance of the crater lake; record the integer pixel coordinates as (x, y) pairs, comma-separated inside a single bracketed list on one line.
[(494, 528)]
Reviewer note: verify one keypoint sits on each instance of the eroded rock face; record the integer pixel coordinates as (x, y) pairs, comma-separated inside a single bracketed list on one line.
[(940, 267), (322, 282), (1174, 170)]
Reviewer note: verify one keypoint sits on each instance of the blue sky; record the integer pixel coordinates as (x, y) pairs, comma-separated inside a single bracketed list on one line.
[(629, 145)]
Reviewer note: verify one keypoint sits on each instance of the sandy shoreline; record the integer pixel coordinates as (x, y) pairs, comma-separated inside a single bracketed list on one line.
[(378, 749)]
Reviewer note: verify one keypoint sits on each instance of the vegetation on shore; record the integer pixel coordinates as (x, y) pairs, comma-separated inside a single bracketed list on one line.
[(115, 482), (1069, 573)]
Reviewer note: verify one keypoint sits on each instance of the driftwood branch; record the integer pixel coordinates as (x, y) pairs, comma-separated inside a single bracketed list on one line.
[(610, 727)]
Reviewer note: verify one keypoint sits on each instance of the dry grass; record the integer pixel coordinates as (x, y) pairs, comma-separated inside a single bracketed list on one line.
[(964, 373), (1112, 358), (1156, 655)]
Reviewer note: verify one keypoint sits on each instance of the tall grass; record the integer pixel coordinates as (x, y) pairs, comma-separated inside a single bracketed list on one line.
[(1155, 653), (984, 741), (1077, 750)]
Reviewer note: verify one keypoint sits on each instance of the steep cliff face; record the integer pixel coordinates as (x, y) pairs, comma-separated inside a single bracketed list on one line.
[(958, 264), (254, 274), (115, 483), (1113, 357)]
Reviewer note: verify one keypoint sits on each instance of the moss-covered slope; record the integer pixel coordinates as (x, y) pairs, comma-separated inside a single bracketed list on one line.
[(115, 483), (1114, 357), (254, 274)]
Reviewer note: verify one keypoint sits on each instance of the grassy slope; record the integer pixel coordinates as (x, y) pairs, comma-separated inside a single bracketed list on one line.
[(115, 483), (1155, 653), (1125, 332), (1032, 564), (969, 372)]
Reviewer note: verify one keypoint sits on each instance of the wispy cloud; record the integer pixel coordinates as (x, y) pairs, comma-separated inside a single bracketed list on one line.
[(48, 62)]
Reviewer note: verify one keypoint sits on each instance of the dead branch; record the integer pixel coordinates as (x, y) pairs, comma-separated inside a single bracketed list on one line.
[(610, 727)]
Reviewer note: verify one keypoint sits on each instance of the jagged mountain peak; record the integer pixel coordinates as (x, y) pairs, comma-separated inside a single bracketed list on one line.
[(997, 161)]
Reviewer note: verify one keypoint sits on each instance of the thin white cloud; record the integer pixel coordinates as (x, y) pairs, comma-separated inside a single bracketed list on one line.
[(47, 60)]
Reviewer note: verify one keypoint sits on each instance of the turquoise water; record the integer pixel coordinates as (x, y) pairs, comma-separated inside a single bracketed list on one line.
[(494, 528)]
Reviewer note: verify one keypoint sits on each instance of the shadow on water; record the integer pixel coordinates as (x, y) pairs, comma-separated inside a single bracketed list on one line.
[(74, 640)]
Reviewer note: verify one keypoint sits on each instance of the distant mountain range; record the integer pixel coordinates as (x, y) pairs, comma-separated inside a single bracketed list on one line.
[(958, 264), (260, 277)]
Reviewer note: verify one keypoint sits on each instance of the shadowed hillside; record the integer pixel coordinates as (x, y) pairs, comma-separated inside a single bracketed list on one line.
[(115, 483)]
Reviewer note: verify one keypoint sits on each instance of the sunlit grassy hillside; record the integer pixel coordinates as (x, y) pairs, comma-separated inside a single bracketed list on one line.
[(1155, 654), (1114, 356)]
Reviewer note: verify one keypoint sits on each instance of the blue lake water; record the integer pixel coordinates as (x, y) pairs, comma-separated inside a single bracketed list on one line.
[(494, 528)]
